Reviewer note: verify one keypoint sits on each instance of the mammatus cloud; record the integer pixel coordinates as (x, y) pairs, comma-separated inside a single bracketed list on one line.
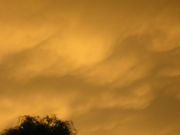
[(110, 66)]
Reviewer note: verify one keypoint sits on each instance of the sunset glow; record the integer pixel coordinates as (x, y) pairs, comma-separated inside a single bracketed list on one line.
[(110, 66)]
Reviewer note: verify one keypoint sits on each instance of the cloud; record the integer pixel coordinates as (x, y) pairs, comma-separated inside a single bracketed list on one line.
[(110, 66)]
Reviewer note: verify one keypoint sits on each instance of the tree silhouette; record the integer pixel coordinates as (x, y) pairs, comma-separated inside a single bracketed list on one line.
[(34, 125)]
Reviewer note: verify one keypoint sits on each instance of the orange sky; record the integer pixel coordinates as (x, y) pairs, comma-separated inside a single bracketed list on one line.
[(111, 66)]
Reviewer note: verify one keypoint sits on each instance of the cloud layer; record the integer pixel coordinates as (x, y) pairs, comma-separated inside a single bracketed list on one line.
[(110, 66)]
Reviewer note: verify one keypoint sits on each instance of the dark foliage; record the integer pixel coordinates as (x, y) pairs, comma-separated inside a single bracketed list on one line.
[(30, 125)]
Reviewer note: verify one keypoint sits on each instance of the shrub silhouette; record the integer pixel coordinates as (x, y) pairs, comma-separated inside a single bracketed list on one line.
[(34, 125)]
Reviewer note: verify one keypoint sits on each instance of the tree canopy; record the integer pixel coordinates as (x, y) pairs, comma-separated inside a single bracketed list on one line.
[(35, 125)]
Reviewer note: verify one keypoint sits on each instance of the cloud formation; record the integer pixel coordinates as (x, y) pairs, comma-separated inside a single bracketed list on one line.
[(110, 66)]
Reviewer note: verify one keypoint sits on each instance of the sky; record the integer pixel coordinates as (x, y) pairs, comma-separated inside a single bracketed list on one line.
[(110, 66)]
